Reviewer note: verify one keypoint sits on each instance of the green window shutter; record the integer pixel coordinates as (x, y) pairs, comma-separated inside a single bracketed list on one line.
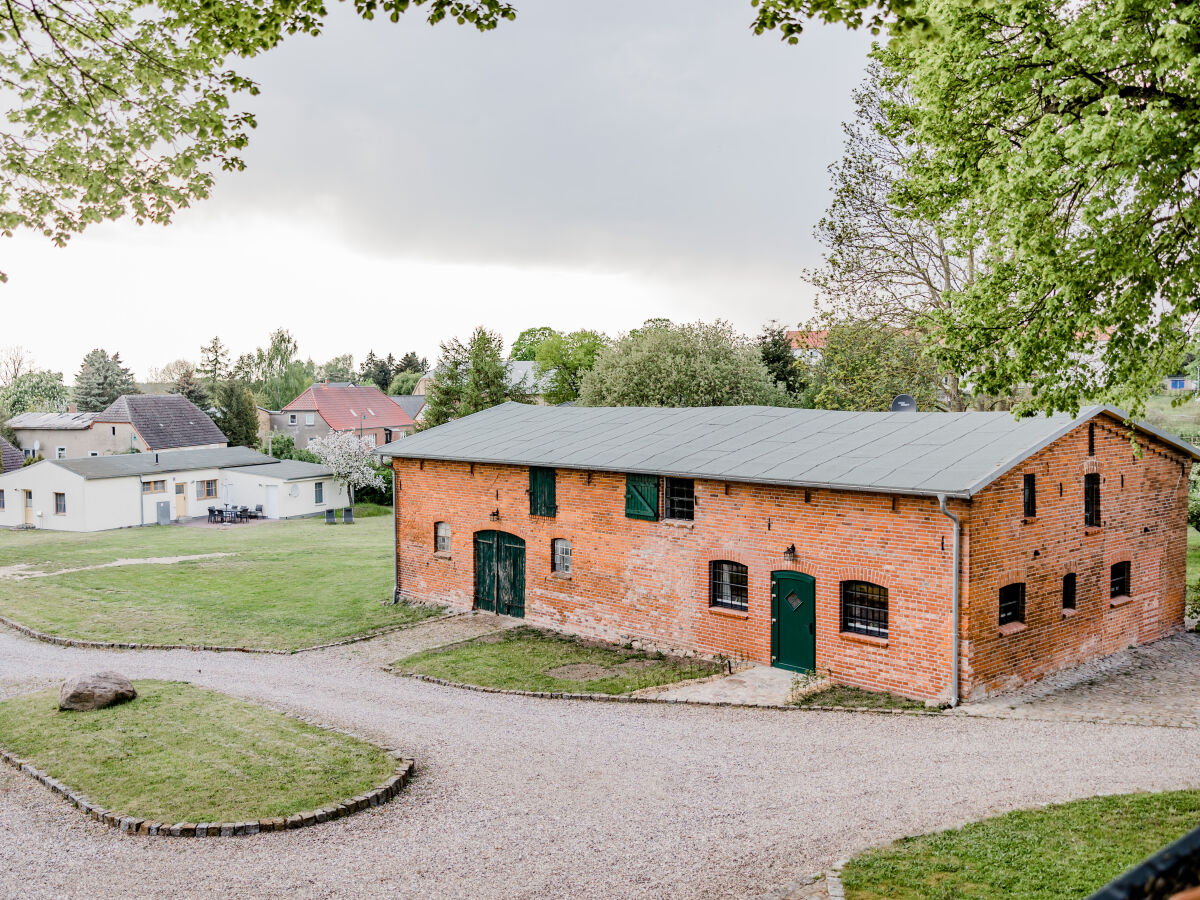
[(542, 501), (641, 497)]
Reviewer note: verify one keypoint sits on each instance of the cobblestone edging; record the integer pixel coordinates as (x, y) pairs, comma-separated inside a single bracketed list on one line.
[(119, 645), (133, 825), (673, 701)]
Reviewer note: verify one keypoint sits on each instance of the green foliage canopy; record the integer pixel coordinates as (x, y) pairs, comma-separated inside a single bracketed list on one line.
[(237, 413), (191, 387), (468, 378), (403, 383), (564, 359), (864, 366), (696, 364), (37, 391), (525, 347), (101, 380)]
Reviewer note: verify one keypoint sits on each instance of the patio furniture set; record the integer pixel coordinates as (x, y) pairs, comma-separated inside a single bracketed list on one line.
[(231, 515)]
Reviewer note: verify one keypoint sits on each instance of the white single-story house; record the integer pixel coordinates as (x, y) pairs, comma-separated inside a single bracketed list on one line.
[(103, 492)]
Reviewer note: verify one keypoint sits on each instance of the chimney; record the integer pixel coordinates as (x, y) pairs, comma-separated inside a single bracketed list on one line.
[(72, 408)]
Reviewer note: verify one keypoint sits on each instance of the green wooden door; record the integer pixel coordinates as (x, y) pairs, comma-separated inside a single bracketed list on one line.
[(500, 573), (793, 621)]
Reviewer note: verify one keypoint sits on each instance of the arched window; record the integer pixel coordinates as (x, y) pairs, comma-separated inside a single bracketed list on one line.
[(560, 556), (728, 584), (441, 537), (864, 608)]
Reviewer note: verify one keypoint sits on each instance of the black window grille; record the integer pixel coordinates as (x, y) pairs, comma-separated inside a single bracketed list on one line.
[(560, 556), (680, 498), (1030, 496), (1012, 603), (728, 584), (1091, 500), (1119, 585), (1068, 597), (441, 537), (864, 608)]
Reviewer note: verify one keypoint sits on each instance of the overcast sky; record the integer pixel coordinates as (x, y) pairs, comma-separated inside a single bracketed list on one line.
[(592, 164)]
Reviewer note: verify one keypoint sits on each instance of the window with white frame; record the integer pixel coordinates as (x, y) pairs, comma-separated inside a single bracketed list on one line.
[(441, 537), (60, 504), (291, 418), (319, 492), (60, 452), (310, 419), (560, 556)]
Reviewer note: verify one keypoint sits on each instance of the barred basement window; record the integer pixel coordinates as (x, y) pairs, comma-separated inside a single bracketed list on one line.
[(1091, 500), (560, 556), (1030, 496), (1012, 603), (864, 608), (441, 537), (1119, 583), (1068, 593), (680, 499), (728, 584)]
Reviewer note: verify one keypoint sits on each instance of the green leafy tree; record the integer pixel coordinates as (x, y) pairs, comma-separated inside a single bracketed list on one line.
[(696, 364), (37, 391), (281, 388), (1058, 141), (340, 368), (865, 365), (237, 414), (281, 445), (378, 371), (525, 347), (414, 362), (404, 383), (214, 364), (101, 380), (776, 351), (189, 386), (469, 378), (564, 359)]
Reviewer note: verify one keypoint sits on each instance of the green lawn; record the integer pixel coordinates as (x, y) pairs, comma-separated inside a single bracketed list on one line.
[(844, 695), (180, 753), (1181, 419), (525, 659), (1069, 850), (284, 585)]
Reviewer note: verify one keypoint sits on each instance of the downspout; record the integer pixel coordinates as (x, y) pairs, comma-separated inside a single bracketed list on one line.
[(954, 603), (395, 539)]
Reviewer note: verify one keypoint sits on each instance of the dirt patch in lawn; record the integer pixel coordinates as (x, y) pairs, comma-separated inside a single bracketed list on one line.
[(21, 571), (579, 672)]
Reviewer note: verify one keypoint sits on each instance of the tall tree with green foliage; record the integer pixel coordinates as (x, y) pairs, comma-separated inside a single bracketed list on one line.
[(278, 389), (564, 359), (378, 371), (189, 386), (414, 362), (469, 378), (214, 364), (778, 356), (404, 383), (237, 413), (101, 380), (696, 364), (36, 391), (525, 347), (865, 365)]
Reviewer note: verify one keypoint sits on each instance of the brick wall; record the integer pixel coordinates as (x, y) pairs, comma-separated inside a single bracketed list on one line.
[(648, 581), (1143, 503)]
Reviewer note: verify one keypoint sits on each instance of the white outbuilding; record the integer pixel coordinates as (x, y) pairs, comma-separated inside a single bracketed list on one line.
[(102, 492)]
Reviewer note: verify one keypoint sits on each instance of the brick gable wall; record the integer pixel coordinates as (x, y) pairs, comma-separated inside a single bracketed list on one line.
[(1143, 519)]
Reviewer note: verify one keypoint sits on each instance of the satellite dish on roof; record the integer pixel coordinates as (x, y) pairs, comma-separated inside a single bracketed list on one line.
[(904, 403)]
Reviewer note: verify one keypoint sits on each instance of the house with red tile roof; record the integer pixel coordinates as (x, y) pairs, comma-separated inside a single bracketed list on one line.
[(341, 406), (809, 344)]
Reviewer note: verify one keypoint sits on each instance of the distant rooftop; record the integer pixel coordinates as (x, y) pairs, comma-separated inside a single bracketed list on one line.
[(345, 406), (129, 464), (902, 453), (76, 421), (165, 421)]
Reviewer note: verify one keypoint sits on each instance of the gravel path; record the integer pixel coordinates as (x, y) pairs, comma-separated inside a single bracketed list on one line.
[(517, 797)]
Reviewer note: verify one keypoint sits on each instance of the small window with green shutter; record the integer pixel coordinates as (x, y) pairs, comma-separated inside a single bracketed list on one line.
[(541, 492), (641, 497)]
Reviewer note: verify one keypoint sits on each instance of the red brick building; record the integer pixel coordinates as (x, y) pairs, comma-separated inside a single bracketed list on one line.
[(808, 538)]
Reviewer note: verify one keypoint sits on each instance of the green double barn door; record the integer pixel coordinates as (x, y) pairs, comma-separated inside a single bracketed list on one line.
[(500, 573)]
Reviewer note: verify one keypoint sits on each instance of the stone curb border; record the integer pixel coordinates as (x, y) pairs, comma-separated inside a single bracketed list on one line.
[(629, 698), (117, 645), (133, 825), (834, 880)]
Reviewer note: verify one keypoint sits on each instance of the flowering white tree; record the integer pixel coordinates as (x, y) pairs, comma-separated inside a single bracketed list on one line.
[(351, 458)]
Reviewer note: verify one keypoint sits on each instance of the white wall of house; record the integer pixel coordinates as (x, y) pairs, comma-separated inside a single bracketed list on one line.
[(294, 498), (89, 505), (193, 504)]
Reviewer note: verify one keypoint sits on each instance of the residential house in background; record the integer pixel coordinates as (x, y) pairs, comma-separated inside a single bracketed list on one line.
[(137, 423), (934, 555), (412, 404), (808, 345), (128, 490), (10, 457), (1179, 384), (342, 406)]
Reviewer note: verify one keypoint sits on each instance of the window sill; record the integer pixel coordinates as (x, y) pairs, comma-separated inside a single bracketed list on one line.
[(689, 524), (730, 613), (869, 640), (1011, 628), (1069, 612), (1089, 530), (561, 576), (1119, 601), (1029, 520), (438, 554)]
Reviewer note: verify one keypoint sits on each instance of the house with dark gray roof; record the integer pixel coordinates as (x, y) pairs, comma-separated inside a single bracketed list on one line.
[(934, 555), (11, 457), (132, 489)]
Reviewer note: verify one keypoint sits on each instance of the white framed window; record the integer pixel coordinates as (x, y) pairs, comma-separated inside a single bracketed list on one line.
[(441, 537), (60, 452), (319, 492), (60, 504), (310, 419), (291, 418), (560, 556)]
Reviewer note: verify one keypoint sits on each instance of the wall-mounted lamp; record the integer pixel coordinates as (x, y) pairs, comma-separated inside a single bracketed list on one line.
[(790, 553), (494, 515)]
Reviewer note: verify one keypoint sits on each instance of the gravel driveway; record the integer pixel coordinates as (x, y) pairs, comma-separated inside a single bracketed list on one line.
[(518, 797)]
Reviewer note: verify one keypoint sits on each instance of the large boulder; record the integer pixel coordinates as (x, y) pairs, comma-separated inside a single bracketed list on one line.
[(95, 691)]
